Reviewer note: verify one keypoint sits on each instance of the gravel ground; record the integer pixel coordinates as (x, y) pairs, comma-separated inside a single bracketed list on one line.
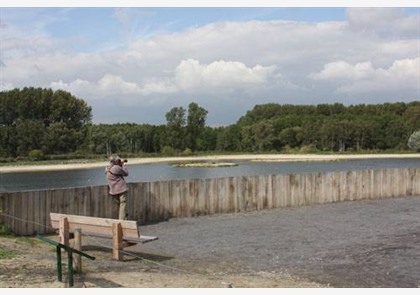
[(372, 243)]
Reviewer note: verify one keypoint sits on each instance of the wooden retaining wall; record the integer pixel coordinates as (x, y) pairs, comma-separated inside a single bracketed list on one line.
[(27, 213)]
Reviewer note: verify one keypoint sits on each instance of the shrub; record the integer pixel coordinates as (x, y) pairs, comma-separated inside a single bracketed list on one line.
[(308, 149), (168, 151), (414, 141), (187, 152), (36, 155)]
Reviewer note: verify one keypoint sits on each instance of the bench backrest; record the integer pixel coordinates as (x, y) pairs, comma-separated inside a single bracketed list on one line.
[(96, 225)]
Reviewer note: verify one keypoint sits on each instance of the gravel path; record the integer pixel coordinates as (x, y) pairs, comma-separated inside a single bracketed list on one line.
[(372, 243)]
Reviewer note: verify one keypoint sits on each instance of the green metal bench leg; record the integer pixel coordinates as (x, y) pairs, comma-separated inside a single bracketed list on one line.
[(70, 268), (59, 268)]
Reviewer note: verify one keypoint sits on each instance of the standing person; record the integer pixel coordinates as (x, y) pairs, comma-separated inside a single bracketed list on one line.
[(115, 173)]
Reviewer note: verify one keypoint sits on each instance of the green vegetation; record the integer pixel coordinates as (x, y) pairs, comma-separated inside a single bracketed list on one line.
[(4, 232), (45, 125), (204, 164), (7, 253), (414, 141)]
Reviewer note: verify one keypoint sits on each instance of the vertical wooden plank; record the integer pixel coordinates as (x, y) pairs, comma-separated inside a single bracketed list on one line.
[(200, 204), (263, 192), (48, 210), (184, 194), (76, 194), (371, 183), (308, 189), (269, 190), (147, 202), (174, 198), (27, 212), (318, 188), (152, 201), (302, 189), (359, 185), (294, 186), (7, 197), (192, 196), (135, 202), (416, 181), (2, 208), (275, 191), (385, 184), (380, 189), (117, 241), (12, 212), (40, 226), (164, 199), (333, 187), (78, 246), (281, 191), (232, 194), (142, 189), (63, 231), (243, 193), (251, 194), (161, 200), (157, 194), (409, 188), (94, 202), (220, 195)]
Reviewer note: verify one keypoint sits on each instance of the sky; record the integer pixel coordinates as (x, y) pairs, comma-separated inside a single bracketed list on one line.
[(134, 64)]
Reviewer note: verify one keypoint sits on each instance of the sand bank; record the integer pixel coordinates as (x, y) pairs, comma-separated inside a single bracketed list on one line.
[(250, 157)]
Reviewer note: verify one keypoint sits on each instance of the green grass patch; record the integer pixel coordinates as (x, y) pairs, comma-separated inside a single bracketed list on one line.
[(5, 232), (7, 253)]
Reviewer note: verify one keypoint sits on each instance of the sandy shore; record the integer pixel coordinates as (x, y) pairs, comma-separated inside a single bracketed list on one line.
[(250, 157)]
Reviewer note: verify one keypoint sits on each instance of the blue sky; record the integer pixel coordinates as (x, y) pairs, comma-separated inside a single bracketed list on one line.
[(135, 64)]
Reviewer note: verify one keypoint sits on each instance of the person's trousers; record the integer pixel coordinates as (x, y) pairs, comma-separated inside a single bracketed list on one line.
[(121, 201)]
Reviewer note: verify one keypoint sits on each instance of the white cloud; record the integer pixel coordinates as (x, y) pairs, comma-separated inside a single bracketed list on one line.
[(384, 21), (364, 78), (344, 70), (191, 75)]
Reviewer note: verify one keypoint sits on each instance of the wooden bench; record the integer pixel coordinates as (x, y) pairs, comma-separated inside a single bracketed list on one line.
[(122, 232)]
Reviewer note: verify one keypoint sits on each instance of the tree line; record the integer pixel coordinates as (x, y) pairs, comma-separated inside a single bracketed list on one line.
[(41, 123)]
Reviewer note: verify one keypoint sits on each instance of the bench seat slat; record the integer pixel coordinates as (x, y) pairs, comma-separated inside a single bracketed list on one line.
[(142, 239)]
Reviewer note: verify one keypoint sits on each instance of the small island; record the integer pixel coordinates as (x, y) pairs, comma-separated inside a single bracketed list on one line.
[(204, 164)]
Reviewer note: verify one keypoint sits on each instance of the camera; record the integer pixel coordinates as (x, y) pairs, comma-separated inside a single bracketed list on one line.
[(115, 160), (120, 161)]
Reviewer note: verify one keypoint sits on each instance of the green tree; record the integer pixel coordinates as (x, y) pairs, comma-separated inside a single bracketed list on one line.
[(175, 136), (41, 119), (196, 122)]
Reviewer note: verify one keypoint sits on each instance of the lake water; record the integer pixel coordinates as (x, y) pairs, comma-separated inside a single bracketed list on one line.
[(164, 171)]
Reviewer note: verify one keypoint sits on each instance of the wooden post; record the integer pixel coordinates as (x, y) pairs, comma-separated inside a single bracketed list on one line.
[(64, 231), (78, 246), (117, 241)]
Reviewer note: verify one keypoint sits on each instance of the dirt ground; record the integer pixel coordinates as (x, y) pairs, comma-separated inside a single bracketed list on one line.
[(35, 267), (372, 243)]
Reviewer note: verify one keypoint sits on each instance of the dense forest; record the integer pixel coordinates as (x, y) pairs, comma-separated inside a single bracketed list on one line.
[(40, 123)]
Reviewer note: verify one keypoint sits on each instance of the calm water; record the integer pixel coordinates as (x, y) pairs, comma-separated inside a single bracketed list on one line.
[(163, 171)]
